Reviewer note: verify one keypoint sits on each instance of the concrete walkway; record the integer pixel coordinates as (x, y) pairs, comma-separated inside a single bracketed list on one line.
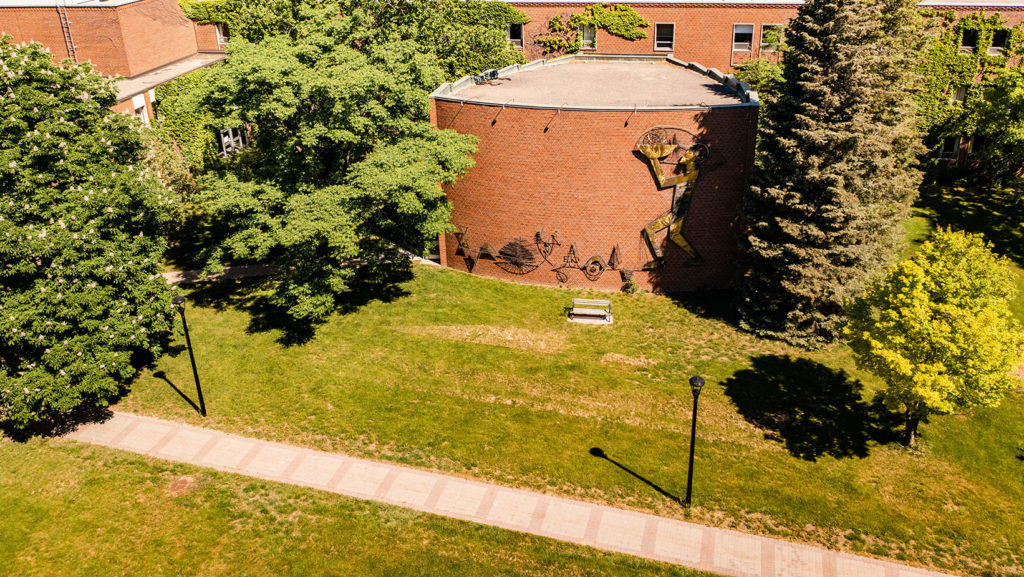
[(707, 548)]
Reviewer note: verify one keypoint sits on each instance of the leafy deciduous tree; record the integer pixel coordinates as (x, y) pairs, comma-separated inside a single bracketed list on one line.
[(343, 160), (938, 329), (1001, 127), (80, 217)]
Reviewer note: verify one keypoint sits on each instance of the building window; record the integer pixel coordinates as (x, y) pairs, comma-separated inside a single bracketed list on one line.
[(588, 37), (664, 37), (742, 37), (968, 40), (222, 34), (231, 140), (959, 95), (141, 114), (976, 145), (515, 35), (950, 148), (771, 37), (1000, 42)]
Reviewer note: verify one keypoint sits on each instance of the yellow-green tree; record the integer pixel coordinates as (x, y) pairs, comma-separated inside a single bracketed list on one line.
[(938, 329)]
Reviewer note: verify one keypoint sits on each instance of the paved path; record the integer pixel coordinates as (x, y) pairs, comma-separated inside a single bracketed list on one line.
[(246, 271), (711, 549)]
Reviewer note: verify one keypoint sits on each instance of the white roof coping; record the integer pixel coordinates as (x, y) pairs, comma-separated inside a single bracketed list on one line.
[(65, 3)]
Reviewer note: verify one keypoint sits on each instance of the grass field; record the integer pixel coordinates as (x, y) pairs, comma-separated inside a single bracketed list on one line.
[(112, 513), (486, 379)]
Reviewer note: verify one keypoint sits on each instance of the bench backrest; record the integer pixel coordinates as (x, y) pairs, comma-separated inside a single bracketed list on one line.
[(592, 303)]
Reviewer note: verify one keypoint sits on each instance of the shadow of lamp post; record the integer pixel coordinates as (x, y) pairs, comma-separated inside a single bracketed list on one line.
[(696, 383), (179, 305)]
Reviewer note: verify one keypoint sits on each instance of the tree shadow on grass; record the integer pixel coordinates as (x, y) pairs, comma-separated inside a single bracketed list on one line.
[(255, 297), (61, 424), (718, 304), (996, 213), (812, 409)]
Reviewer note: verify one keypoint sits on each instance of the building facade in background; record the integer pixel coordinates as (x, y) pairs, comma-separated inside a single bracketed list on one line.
[(720, 34), (146, 42)]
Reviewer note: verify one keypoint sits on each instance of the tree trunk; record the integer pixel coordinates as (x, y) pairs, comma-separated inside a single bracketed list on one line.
[(910, 427)]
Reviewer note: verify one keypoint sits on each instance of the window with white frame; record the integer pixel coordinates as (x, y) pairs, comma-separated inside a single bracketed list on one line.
[(588, 37), (222, 33), (959, 94), (515, 35), (950, 148), (771, 36), (231, 140), (139, 108), (664, 37), (742, 37)]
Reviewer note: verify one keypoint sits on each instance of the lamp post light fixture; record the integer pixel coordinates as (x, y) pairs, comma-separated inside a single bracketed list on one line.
[(696, 384), (179, 305)]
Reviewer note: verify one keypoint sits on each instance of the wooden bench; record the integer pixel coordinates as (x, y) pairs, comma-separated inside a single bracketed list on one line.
[(591, 311)]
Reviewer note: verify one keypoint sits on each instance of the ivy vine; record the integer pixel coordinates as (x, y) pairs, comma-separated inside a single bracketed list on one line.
[(563, 32), (952, 65)]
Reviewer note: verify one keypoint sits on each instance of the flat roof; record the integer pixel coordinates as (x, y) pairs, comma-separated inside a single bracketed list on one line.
[(128, 87), (597, 82)]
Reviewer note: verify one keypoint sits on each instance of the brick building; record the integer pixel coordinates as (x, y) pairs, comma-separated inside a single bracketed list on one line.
[(593, 169), (147, 42), (717, 33)]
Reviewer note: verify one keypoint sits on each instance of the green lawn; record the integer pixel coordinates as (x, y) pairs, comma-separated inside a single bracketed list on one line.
[(113, 513), (486, 379)]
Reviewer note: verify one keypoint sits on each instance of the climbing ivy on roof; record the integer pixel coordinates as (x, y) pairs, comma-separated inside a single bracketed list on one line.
[(562, 36), (949, 64), (618, 20), (207, 11)]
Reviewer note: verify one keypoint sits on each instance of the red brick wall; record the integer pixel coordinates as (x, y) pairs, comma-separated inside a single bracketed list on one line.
[(576, 173), (127, 40), (206, 36), (156, 33), (96, 31), (703, 32)]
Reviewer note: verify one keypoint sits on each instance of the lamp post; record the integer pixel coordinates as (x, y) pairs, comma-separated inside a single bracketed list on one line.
[(696, 383), (179, 305)]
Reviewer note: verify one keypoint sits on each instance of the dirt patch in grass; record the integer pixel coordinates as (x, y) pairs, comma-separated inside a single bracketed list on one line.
[(181, 485), (509, 337)]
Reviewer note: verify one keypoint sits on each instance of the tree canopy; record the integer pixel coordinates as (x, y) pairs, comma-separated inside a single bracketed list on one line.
[(938, 329), (465, 36), (999, 141), (80, 221), (343, 164), (835, 175)]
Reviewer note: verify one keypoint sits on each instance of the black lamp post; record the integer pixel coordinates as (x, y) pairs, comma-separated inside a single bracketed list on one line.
[(179, 305), (696, 383)]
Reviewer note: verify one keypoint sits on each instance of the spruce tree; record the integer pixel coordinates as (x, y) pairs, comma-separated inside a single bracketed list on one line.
[(836, 170)]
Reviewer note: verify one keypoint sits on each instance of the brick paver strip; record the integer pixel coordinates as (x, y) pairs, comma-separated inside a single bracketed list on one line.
[(707, 548)]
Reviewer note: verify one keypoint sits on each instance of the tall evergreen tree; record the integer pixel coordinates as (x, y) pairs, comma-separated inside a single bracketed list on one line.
[(836, 172)]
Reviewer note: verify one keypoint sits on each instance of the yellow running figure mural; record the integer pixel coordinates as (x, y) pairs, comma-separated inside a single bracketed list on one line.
[(675, 147)]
